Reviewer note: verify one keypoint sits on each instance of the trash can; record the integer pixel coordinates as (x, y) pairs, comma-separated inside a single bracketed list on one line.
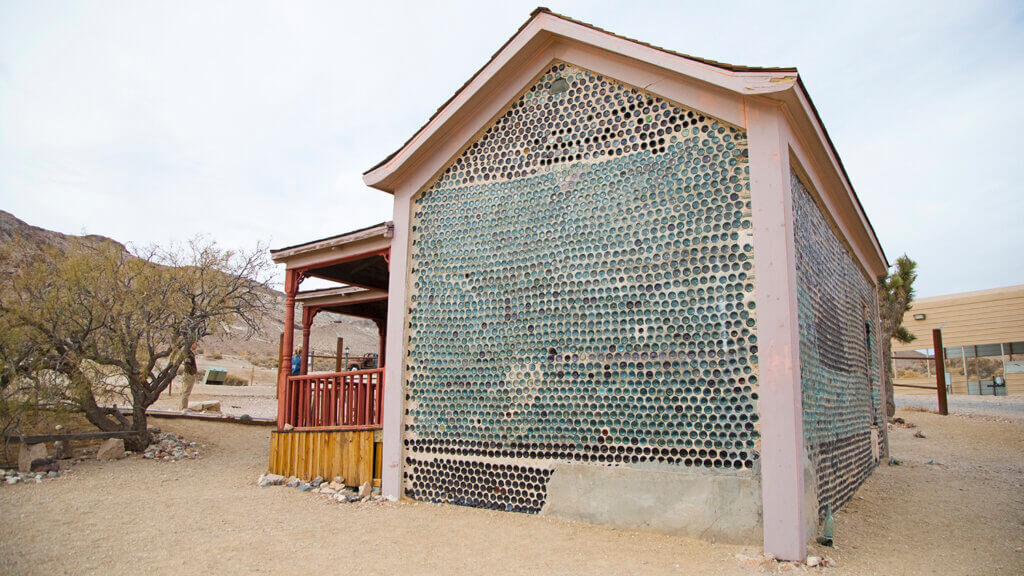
[(215, 375)]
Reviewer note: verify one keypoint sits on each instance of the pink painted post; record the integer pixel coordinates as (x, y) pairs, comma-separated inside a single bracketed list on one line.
[(394, 352), (781, 417)]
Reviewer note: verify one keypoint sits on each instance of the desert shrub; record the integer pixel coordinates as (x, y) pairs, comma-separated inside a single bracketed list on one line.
[(263, 361), (232, 380), (324, 364), (215, 356)]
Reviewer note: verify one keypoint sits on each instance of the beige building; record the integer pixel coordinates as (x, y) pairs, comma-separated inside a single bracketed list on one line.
[(983, 338)]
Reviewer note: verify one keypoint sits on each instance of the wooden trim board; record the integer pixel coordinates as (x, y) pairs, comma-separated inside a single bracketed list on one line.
[(351, 454)]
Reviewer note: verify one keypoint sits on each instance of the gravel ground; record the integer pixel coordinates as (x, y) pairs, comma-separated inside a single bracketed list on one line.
[(256, 401), (954, 507), (999, 406)]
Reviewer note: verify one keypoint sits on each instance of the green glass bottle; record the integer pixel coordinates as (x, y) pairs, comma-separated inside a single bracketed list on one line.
[(829, 528)]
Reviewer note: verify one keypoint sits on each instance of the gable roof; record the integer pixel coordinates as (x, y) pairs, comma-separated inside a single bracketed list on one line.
[(533, 16), (544, 27)]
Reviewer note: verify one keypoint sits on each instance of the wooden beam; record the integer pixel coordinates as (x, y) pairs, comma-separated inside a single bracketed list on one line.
[(79, 436)]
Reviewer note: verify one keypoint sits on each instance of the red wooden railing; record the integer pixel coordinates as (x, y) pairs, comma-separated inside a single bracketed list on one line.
[(343, 400)]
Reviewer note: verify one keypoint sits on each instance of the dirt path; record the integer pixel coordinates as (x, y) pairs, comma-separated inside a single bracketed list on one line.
[(962, 515)]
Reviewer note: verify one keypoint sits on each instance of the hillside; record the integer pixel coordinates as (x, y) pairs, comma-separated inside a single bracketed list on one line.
[(360, 335)]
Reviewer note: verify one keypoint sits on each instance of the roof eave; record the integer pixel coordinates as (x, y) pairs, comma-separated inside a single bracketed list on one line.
[(283, 255)]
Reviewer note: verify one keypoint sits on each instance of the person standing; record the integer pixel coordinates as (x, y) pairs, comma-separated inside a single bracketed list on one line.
[(190, 369)]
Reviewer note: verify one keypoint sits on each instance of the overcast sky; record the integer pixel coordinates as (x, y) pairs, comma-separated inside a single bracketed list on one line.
[(154, 121)]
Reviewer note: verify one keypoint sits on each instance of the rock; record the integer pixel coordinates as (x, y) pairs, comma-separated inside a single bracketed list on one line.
[(13, 479), (62, 450), (316, 482), (336, 486), (289, 427), (245, 417), (44, 465), (813, 561), (111, 449), (293, 482), (52, 474), (207, 406), (340, 497), (58, 427), (304, 487), (326, 490), (919, 434), (365, 490), (270, 480), (28, 454)]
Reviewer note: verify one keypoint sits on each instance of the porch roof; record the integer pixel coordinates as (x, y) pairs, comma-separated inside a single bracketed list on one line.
[(347, 300), (357, 258)]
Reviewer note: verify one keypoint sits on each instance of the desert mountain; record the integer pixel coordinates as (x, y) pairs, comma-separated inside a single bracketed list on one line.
[(360, 335)]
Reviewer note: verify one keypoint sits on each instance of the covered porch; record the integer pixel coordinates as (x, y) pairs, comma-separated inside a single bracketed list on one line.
[(329, 423)]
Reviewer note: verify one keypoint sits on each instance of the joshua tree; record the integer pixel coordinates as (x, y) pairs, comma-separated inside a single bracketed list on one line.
[(895, 295)]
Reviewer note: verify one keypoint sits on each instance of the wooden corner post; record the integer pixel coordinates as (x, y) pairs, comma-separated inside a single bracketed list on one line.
[(778, 336)]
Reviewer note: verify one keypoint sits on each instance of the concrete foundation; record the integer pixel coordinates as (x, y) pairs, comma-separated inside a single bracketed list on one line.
[(723, 505)]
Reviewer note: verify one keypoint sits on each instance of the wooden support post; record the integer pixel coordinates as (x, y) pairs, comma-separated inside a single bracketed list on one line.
[(784, 508), (382, 331), (280, 357), (292, 280), (307, 324), (338, 355), (940, 370)]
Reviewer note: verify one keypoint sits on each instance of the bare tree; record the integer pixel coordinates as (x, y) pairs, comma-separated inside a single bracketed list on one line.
[(115, 325), (895, 295)]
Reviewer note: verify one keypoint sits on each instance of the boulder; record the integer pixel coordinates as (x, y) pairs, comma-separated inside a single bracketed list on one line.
[(44, 465), (111, 449), (28, 453)]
